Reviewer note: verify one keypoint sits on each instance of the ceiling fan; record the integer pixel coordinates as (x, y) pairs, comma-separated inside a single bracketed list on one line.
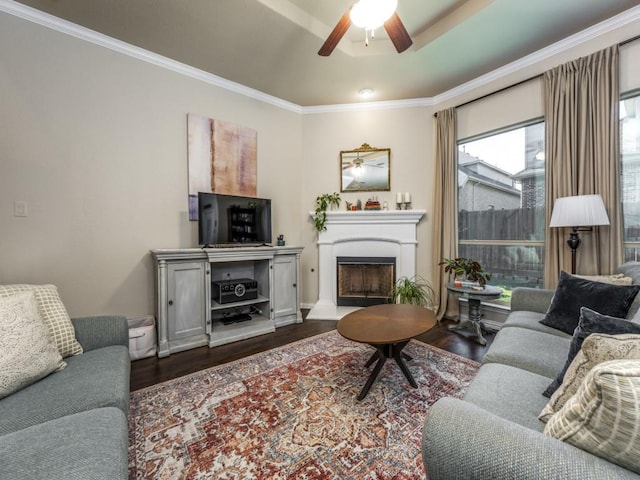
[(370, 14), (360, 163)]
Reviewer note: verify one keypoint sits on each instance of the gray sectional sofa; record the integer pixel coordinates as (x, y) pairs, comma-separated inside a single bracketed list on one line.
[(494, 431), (72, 424)]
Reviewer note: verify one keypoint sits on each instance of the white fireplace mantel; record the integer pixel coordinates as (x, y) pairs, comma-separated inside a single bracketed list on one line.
[(370, 233)]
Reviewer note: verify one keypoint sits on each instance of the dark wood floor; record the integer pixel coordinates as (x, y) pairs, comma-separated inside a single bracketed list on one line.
[(150, 371)]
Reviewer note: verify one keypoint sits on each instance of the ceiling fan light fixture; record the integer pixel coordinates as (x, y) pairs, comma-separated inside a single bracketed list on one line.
[(366, 93), (371, 14)]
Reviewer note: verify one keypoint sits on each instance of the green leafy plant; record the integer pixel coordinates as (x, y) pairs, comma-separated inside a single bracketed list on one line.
[(323, 202), (414, 291), (467, 268)]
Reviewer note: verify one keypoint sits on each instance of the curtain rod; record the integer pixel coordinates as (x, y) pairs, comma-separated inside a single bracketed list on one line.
[(620, 44)]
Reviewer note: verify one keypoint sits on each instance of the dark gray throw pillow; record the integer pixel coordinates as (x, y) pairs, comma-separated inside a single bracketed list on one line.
[(591, 322), (573, 293)]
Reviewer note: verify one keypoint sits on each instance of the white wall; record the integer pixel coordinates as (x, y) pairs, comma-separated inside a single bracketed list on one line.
[(96, 143)]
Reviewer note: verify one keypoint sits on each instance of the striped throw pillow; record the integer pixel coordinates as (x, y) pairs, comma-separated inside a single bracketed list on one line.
[(597, 348), (603, 416)]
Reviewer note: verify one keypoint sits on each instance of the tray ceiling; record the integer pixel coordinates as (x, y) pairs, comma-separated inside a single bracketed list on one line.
[(271, 45)]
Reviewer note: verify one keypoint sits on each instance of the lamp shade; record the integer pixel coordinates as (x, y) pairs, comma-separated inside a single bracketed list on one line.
[(579, 211)]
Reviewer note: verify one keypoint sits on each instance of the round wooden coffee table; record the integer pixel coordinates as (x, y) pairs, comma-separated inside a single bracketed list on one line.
[(387, 328)]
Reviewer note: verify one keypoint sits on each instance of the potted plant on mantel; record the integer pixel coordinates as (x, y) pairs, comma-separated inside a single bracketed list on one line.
[(466, 269), (323, 202), (414, 291)]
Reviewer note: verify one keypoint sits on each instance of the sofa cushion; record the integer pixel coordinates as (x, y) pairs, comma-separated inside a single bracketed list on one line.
[(603, 416), (531, 320), (574, 293), (630, 269), (597, 348), (53, 313), (530, 350), (510, 393), (461, 441), (85, 446), (28, 351), (531, 299), (591, 322), (98, 378)]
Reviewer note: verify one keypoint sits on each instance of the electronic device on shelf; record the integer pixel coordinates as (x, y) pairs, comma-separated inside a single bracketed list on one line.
[(228, 291), (232, 220), (235, 318)]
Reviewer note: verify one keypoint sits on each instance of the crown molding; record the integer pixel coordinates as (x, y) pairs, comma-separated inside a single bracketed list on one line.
[(63, 26), (602, 28), (365, 106)]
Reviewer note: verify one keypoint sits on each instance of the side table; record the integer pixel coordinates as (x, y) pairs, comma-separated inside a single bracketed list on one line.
[(475, 297)]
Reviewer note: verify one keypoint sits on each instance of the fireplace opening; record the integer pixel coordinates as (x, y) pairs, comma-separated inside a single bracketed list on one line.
[(364, 281)]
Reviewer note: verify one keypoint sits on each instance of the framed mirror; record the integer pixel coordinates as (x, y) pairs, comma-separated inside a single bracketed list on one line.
[(365, 169)]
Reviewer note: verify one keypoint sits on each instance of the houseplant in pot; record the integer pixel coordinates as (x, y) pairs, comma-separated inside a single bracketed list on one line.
[(466, 269), (323, 202), (414, 291)]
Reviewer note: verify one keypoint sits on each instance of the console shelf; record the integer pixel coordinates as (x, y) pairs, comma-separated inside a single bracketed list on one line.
[(189, 317), (244, 303), (222, 334)]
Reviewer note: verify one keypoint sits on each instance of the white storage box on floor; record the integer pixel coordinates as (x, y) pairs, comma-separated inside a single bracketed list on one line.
[(142, 337)]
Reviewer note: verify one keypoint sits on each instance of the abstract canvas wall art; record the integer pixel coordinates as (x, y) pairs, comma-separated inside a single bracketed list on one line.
[(222, 159)]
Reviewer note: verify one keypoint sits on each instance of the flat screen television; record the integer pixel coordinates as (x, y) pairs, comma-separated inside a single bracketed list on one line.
[(232, 220)]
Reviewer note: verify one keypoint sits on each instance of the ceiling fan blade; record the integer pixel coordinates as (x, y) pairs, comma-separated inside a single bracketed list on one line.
[(397, 33), (336, 35)]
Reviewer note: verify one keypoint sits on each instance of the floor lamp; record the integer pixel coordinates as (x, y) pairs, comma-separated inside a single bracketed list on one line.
[(581, 213)]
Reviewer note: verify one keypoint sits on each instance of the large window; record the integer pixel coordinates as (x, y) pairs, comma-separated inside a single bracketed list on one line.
[(501, 205), (630, 184)]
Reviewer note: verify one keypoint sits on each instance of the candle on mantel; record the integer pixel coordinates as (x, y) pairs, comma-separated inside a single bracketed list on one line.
[(407, 197), (399, 197)]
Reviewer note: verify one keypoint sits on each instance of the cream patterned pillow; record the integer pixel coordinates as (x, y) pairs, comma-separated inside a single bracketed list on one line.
[(53, 313), (603, 416), (28, 351), (597, 348), (615, 279)]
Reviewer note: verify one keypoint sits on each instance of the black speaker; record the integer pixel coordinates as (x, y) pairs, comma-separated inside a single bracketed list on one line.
[(228, 291)]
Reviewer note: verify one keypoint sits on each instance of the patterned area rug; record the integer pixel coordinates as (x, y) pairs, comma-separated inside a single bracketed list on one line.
[(292, 413)]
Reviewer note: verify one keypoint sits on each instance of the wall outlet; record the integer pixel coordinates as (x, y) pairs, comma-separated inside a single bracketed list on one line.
[(19, 208)]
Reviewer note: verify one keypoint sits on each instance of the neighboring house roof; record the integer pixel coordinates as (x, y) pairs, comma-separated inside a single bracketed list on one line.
[(534, 167), (528, 173), (470, 161), (467, 165), (466, 174)]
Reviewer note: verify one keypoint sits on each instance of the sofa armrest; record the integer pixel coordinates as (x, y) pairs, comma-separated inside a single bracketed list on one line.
[(101, 331), (462, 441), (531, 299)]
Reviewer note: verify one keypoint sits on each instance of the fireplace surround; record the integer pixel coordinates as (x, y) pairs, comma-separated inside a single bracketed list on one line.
[(362, 233)]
